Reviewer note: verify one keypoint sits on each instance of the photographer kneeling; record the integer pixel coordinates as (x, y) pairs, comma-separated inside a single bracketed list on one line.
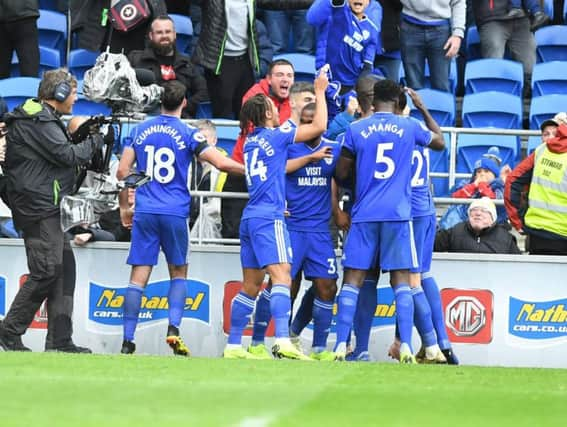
[(41, 164)]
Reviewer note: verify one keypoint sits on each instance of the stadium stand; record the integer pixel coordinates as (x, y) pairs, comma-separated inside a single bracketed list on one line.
[(226, 136), (453, 79), (545, 107), (440, 104), (501, 75), (52, 27), (533, 143), (551, 43), (471, 147), (80, 60), (472, 43), (16, 90), (549, 78), (303, 64), (439, 163), (204, 110), (492, 109), (184, 32)]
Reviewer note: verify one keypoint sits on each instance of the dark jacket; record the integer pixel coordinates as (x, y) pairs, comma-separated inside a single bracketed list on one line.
[(210, 47), (185, 72), (41, 161), (462, 238), (86, 21), (489, 10), (14, 10), (3, 107), (390, 31)]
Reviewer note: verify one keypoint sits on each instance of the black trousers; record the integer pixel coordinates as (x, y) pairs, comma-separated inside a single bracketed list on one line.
[(51, 276), (537, 245), (227, 89), (231, 209), (21, 36)]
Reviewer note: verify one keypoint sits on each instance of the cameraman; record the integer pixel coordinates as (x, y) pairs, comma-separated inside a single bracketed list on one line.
[(40, 167)]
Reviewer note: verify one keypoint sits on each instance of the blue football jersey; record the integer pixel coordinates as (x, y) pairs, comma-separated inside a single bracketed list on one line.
[(265, 156), (164, 147), (382, 145), (421, 197), (308, 189)]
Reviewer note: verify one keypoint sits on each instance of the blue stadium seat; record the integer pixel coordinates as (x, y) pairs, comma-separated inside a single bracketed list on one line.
[(49, 59), (564, 12), (226, 137), (492, 109), (184, 32), (472, 47), (545, 107), (548, 78), (52, 27), (303, 64), (501, 75), (427, 82), (48, 4), (80, 60), (16, 90), (551, 43), (548, 8), (533, 142), (204, 110), (86, 107), (471, 147), (440, 104), (439, 162)]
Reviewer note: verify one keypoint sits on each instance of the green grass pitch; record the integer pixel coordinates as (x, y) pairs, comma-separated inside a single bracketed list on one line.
[(60, 390)]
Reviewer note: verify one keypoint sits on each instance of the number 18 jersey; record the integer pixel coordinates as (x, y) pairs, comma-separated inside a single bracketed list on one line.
[(382, 145), (164, 147), (265, 157)]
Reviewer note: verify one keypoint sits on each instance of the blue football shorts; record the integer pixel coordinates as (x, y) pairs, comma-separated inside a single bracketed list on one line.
[(264, 242), (152, 231), (391, 241), (313, 252), (424, 236)]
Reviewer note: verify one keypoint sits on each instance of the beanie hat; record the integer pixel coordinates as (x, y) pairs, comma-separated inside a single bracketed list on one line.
[(486, 204), (488, 163)]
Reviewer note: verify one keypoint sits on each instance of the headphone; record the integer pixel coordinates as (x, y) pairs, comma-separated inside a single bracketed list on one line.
[(62, 89)]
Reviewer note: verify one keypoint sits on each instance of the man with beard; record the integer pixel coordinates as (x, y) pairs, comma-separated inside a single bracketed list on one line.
[(162, 58)]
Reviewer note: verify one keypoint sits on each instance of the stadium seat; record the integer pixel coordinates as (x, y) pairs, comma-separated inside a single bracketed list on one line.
[(472, 47), (427, 82), (548, 8), (549, 78), (204, 110), (440, 104), (303, 65), (564, 15), (184, 32), (80, 60), (52, 27), (471, 147), (48, 4), (492, 109), (226, 136), (533, 142), (545, 107), (501, 75), (551, 43), (16, 90)]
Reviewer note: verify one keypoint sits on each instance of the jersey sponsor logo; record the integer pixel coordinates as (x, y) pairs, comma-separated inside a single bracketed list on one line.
[(351, 41), (537, 320), (231, 289), (40, 317), (468, 315), (199, 137), (2, 296), (106, 303)]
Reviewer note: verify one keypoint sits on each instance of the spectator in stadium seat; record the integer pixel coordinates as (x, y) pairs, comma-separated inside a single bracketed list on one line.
[(93, 27), (487, 181), (535, 195), (18, 32), (500, 32), (432, 31), (167, 63), (479, 234), (228, 49)]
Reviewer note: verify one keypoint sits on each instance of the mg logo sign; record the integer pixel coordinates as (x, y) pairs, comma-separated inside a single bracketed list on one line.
[(468, 315), (465, 316)]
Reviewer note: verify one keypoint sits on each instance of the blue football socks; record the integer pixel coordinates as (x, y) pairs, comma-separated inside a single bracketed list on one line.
[(280, 306), (404, 312), (261, 317), (176, 300), (242, 308), (131, 310), (304, 313), (434, 297), (348, 298), (322, 316), (366, 307), (422, 317)]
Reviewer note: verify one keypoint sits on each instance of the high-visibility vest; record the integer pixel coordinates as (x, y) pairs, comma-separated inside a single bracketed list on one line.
[(547, 197)]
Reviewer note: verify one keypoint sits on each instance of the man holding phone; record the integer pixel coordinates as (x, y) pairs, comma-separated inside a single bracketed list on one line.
[(162, 148)]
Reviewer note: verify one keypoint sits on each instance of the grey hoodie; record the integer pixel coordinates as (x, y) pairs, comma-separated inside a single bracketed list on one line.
[(434, 10)]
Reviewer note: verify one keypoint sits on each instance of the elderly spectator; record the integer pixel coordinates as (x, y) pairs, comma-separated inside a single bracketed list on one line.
[(535, 195), (432, 31), (479, 234), (167, 63)]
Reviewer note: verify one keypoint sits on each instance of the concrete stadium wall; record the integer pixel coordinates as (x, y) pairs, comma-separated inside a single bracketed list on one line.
[(507, 310)]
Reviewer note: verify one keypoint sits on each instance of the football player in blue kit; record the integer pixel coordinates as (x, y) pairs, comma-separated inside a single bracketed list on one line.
[(381, 148), (264, 239), (162, 148)]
